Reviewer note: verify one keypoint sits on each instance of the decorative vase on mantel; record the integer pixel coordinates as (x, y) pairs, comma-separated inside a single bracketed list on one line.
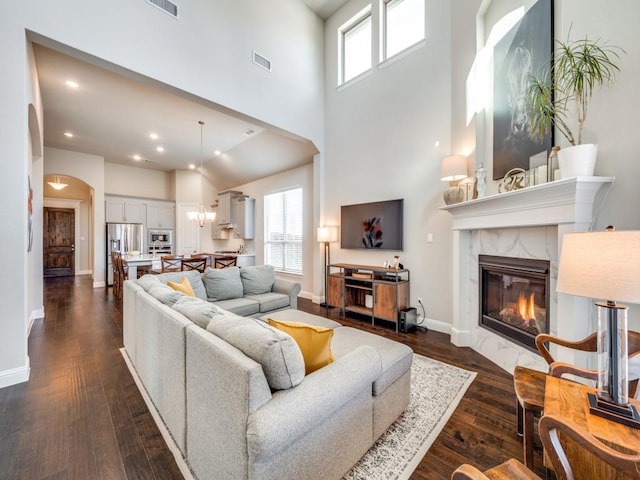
[(578, 160)]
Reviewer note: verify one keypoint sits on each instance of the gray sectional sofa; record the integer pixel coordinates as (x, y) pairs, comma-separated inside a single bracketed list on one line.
[(233, 393)]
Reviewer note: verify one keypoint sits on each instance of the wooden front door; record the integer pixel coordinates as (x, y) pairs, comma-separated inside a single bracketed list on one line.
[(58, 243)]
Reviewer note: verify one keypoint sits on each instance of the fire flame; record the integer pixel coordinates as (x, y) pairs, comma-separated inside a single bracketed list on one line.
[(527, 308)]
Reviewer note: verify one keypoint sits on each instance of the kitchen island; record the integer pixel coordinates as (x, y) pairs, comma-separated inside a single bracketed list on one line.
[(141, 260), (244, 259)]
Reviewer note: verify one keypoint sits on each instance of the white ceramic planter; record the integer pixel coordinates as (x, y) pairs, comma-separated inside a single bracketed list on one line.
[(578, 161)]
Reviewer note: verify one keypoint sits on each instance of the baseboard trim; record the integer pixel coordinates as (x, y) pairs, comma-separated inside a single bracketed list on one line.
[(35, 315), (15, 375), (84, 272), (461, 338), (437, 325), (98, 284), (177, 454)]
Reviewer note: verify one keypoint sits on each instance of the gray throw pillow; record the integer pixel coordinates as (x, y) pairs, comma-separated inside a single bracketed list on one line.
[(257, 279), (148, 282), (165, 294), (222, 283), (277, 352), (198, 311)]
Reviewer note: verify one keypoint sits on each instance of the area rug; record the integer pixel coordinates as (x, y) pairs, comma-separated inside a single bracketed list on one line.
[(436, 390)]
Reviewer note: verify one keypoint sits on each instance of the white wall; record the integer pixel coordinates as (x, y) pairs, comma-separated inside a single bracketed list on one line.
[(385, 137), (138, 182), (298, 177)]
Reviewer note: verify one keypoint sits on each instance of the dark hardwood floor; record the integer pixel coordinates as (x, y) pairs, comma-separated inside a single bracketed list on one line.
[(80, 416)]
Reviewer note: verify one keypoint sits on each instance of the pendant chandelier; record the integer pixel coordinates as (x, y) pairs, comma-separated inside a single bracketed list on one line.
[(201, 216), (57, 184)]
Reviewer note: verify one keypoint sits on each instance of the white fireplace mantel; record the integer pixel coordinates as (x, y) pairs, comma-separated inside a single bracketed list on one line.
[(515, 219), (556, 203)]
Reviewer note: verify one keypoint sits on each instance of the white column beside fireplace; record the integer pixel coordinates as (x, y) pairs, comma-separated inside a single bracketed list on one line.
[(526, 223)]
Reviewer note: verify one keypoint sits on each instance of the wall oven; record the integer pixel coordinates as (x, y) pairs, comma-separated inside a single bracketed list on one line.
[(159, 241)]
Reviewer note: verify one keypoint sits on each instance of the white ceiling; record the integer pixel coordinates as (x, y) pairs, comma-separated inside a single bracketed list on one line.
[(112, 115)]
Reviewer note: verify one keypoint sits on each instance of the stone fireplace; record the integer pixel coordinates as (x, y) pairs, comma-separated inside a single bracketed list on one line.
[(514, 297), (526, 224)]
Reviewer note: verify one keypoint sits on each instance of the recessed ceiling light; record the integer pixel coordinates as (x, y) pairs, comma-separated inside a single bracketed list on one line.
[(137, 158), (68, 134), (153, 136), (160, 149), (249, 132), (217, 152), (192, 166), (71, 84)]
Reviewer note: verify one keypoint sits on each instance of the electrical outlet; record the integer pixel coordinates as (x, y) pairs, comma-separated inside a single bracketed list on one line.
[(419, 300)]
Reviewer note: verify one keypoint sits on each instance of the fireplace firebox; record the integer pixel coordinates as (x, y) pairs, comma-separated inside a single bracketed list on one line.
[(514, 297)]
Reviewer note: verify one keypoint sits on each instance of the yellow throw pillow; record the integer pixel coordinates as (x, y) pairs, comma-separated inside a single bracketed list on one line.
[(314, 342), (184, 287)]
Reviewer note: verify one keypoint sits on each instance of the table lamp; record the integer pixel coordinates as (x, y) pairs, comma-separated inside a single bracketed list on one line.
[(606, 265), (327, 235), (453, 169)]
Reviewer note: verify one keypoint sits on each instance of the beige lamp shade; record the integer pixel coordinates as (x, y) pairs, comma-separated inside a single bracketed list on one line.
[(601, 265), (453, 168), (327, 234)]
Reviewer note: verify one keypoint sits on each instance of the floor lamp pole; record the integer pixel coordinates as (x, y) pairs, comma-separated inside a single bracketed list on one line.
[(327, 258)]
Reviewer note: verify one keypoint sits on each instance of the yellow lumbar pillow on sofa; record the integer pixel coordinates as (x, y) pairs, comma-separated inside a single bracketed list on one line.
[(314, 342), (184, 287)]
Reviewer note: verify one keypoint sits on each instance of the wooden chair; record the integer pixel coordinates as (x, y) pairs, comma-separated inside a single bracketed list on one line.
[(122, 275), (558, 435), (117, 284), (171, 263), (196, 262), (529, 384), (224, 262)]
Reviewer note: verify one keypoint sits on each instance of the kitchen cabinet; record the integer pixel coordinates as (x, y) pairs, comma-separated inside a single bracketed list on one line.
[(243, 217), (224, 208), (160, 215), (124, 210), (218, 232)]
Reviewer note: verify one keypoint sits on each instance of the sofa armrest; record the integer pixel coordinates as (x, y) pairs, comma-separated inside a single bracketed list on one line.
[(287, 287), (293, 412)]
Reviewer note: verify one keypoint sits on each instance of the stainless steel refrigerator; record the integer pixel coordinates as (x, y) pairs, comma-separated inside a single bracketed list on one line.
[(123, 238)]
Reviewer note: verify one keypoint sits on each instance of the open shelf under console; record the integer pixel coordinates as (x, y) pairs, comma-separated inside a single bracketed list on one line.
[(376, 292)]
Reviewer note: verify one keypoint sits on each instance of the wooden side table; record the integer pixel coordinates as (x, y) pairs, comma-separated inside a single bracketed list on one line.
[(529, 385), (569, 399)]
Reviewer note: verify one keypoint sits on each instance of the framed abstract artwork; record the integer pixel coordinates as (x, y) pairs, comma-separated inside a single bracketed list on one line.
[(525, 50)]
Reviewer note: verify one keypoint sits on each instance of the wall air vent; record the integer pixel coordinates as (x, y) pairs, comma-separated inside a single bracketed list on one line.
[(261, 61), (153, 162), (166, 6)]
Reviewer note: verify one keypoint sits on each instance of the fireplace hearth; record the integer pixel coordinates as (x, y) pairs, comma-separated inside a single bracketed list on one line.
[(514, 297)]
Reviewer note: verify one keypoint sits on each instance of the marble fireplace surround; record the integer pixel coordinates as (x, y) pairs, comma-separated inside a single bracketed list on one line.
[(527, 223)]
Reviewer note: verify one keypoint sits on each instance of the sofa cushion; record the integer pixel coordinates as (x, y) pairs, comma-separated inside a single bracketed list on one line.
[(183, 286), (270, 301), (198, 311), (240, 306), (257, 279), (195, 278), (396, 357), (314, 343), (293, 315), (165, 294), (277, 352), (222, 283), (148, 281)]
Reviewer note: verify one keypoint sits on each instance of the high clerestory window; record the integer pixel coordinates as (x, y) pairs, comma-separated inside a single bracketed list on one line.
[(283, 230), (402, 25), (355, 46)]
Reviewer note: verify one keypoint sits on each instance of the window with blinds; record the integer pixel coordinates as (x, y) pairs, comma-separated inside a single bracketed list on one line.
[(283, 230)]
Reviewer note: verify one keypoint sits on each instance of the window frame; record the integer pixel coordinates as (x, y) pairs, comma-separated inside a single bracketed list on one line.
[(284, 242), (353, 23), (384, 57)]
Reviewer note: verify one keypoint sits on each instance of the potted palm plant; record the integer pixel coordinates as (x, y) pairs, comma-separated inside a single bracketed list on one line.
[(561, 97)]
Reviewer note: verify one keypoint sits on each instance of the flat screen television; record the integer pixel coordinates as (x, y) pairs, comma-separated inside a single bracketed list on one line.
[(375, 225)]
